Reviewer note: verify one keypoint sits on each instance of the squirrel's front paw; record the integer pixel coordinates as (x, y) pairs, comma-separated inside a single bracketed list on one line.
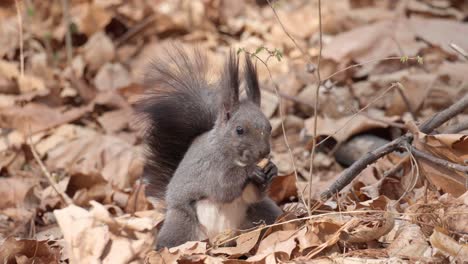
[(263, 177)]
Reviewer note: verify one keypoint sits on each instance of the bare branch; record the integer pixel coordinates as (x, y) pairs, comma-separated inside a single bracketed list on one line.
[(444, 163), (428, 126)]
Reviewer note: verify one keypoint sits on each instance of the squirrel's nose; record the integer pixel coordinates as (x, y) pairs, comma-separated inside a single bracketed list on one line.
[(265, 152)]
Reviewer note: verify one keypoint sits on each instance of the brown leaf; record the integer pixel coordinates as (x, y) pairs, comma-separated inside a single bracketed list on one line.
[(244, 243), (98, 50), (280, 241), (111, 76), (410, 242), (369, 228), (96, 155), (451, 147), (343, 128), (33, 117), (91, 233), (33, 251), (283, 188), (448, 245), (440, 32), (14, 190), (173, 254), (116, 120), (379, 40)]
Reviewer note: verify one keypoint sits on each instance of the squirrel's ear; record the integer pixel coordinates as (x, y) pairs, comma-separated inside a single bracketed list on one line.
[(251, 79), (230, 85)]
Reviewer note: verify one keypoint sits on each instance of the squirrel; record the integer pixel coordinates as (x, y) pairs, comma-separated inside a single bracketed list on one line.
[(203, 143)]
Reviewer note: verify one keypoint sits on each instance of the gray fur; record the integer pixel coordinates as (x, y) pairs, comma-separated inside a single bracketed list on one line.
[(220, 163)]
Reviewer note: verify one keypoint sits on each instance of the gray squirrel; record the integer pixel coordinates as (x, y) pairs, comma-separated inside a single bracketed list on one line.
[(203, 144)]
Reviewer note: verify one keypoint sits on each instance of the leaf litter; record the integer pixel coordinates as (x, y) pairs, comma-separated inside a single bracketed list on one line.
[(77, 114)]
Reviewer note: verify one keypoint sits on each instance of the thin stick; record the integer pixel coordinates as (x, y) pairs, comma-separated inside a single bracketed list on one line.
[(364, 63), (49, 177), (68, 38), (20, 29), (457, 128), (460, 50), (428, 126), (319, 83), (357, 113), (283, 129), (135, 30), (303, 52), (436, 160), (406, 101)]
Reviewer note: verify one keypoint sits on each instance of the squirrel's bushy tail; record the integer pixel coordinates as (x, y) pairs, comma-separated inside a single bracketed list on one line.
[(178, 107)]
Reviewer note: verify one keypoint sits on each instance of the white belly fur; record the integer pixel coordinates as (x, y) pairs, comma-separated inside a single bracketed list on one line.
[(216, 218)]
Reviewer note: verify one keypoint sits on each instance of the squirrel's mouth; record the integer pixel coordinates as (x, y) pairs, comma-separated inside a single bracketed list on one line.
[(240, 163)]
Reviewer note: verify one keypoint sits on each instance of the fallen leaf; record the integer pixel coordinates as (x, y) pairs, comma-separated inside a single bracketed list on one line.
[(440, 32), (14, 190), (30, 251), (33, 117), (244, 243), (283, 188), (410, 242), (448, 245), (94, 157), (173, 254), (451, 147), (112, 76), (98, 50), (91, 233), (378, 40)]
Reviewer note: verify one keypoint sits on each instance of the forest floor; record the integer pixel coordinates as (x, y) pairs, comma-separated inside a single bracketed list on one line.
[(71, 151)]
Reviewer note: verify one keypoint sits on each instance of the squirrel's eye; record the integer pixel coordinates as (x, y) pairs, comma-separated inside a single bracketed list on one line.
[(239, 130)]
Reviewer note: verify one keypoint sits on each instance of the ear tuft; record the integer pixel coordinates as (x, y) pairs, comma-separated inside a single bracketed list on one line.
[(251, 79), (229, 83)]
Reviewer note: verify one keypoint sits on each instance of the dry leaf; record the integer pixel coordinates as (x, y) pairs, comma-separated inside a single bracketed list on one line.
[(244, 243), (450, 147), (14, 190), (448, 245), (343, 128), (379, 40), (368, 228), (98, 50), (410, 242), (89, 234), (173, 254), (111, 76), (29, 251)]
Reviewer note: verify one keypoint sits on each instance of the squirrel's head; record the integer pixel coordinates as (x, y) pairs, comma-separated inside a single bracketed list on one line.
[(245, 130)]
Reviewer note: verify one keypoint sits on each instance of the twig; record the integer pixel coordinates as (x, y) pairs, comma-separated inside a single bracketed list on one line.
[(20, 29), (357, 113), (44, 170), (390, 123), (459, 50), (428, 126), (319, 83), (289, 97), (397, 167), (364, 63), (414, 173), (135, 30), (68, 38), (280, 104), (406, 101), (436, 160), (303, 52), (441, 117), (457, 128)]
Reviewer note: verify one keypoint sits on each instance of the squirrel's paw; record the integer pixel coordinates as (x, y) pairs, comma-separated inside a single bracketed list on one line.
[(263, 177)]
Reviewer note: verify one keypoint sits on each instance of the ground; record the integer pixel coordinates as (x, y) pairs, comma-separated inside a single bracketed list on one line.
[(369, 172)]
